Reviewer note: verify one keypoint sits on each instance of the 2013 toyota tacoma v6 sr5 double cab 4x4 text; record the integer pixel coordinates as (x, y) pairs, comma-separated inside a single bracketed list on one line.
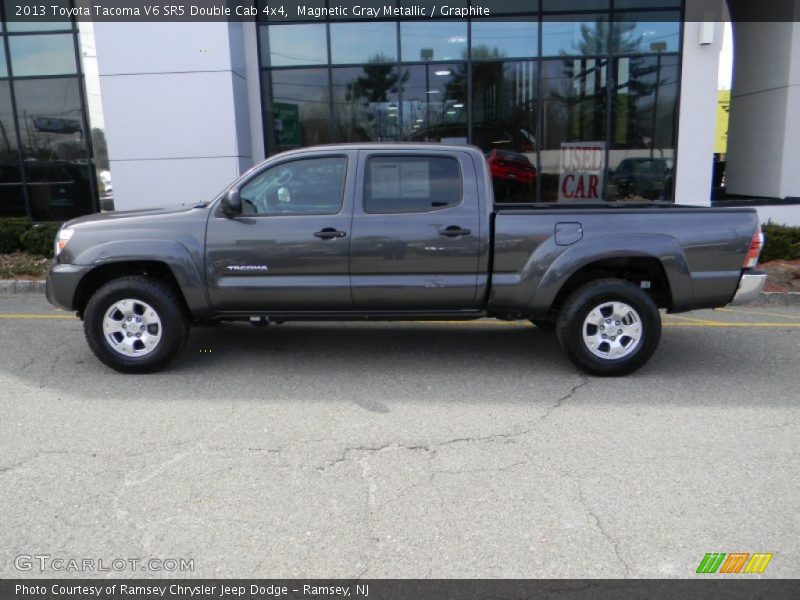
[(393, 232)]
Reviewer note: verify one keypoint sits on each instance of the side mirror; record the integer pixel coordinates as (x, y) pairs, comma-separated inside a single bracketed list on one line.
[(232, 204)]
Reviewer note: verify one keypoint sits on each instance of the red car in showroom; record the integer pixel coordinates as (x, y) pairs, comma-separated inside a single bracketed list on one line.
[(512, 174)]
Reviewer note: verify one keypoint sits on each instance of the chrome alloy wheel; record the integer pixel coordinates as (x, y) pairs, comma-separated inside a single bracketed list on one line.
[(132, 328), (612, 330)]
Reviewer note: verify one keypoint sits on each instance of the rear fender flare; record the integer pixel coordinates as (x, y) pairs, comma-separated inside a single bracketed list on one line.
[(663, 248)]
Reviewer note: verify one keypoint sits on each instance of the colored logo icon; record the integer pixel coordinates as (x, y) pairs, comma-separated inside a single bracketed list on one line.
[(734, 562)]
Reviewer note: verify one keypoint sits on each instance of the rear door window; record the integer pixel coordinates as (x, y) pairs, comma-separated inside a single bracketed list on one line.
[(403, 184)]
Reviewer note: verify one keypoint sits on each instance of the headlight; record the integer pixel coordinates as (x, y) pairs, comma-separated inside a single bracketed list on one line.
[(64, 235)]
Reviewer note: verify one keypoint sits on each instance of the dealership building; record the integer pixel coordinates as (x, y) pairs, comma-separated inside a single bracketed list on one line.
[(571, 100)]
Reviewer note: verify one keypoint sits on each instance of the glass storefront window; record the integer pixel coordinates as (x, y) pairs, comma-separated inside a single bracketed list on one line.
[(363, 42), (435, 103), (50, 117), (561, 103), (54, 147), (642, 152), (12, 195), (366, 103), (8, 135), (504, 108), (634, 33), (37, 55), (493, 39), (10, 7), (297, 108), (294, 45), (46, 162), (627, 4), (433, 40), (575, 35), (35, 26), (574, 98)]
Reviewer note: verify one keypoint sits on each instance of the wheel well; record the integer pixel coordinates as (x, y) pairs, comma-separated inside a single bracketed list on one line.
[(633, 269), (105, 273)]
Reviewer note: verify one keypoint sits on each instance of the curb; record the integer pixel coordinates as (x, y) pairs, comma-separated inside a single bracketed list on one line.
[(13, 286), (778, 299)]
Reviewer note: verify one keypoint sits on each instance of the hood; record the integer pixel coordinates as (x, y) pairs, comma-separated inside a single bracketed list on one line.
[(127, 214)]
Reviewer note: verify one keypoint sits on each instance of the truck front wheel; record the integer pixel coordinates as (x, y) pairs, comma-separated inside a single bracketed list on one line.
[(609, 327), (135, 324)]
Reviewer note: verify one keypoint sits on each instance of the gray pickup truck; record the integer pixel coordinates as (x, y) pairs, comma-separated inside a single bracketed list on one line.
[(398, 232)]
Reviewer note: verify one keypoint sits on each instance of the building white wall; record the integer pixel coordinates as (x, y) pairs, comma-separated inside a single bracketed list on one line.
[(784, 215), (764, 129), (177, 109), (759, 105), (250, 39), (698, 106), (790, 180)]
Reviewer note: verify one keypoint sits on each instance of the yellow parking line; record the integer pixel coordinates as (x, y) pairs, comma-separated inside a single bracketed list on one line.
[(754, 313), (34, 316), (690, 319)]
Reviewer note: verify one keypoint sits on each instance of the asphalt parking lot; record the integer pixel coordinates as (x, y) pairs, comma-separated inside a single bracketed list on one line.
[(402, 450)]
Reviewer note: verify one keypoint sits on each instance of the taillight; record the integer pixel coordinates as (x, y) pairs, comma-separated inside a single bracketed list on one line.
[(756, 243)]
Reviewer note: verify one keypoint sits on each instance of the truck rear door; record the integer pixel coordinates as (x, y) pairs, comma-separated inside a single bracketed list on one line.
[(416, 231)]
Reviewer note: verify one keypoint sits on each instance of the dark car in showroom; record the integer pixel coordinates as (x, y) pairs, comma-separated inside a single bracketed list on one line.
[(641, 178)]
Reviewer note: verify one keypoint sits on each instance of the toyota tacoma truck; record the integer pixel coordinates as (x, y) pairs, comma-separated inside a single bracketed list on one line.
[(398, 232)]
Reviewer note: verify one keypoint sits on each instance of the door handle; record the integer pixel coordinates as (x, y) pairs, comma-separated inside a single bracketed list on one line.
[(329, 233), (454, 231)]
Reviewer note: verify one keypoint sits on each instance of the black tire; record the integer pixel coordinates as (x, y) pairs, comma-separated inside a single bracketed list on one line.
[(545, 324), (588, 298), (168, 306)]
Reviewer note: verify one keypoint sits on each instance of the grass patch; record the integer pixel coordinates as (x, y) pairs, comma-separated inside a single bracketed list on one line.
[(21, 265)]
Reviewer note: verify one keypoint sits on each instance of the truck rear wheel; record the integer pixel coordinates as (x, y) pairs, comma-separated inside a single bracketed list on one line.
[(609, 327), (135, 324)]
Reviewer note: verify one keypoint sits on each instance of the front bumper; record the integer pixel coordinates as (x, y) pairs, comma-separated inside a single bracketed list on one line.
[(62, 283), (750, 286)]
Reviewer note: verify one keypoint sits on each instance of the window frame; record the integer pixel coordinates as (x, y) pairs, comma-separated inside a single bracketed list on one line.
[(365, 196), (289, 159)]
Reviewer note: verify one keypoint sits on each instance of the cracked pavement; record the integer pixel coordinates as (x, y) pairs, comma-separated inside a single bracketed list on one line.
[(401, 450)]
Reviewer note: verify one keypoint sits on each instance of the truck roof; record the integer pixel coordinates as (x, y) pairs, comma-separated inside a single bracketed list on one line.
[(422, 146)]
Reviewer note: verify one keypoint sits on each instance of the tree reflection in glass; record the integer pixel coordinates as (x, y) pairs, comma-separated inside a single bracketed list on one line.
[(366, 101)]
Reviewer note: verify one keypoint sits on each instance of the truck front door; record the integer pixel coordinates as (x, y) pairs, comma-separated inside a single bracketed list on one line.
[(416, 239), (288, 250)]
